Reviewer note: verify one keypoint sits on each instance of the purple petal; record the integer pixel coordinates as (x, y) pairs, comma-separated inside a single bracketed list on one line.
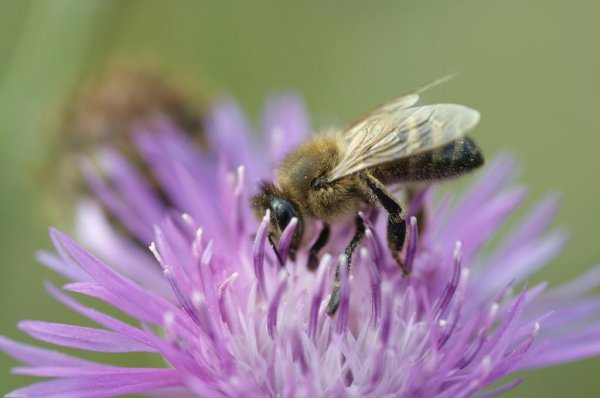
[(554, 355), (533, 225), (492, 179), (274, 307), (147, 306), (375, 281), (82, 337), (96, 233), (61, 267), (117, 205), (36, 356), (575, 288), (318, 292), (413, 241), (229, 131), (479, 227), (286, 238), (75, 371), (131, 185), (100, 318), (103, 385), (286, 123), (525, 261), (259, 254)]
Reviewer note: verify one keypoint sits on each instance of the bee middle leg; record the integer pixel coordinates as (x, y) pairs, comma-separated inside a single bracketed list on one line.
[(396, 226), (334, 301)]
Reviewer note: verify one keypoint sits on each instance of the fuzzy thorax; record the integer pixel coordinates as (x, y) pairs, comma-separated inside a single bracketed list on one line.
[(300, 178)]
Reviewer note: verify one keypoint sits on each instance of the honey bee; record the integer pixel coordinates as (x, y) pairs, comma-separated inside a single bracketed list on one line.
[(337, 174)]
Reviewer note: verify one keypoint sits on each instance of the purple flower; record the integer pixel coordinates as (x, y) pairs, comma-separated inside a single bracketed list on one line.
[(228, 321)]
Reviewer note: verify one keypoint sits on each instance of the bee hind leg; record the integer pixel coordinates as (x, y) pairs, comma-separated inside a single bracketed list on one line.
[(313, 254), (334, 301), (396, 226)]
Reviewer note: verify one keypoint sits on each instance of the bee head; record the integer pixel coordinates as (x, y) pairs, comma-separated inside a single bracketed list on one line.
[(282, 211)]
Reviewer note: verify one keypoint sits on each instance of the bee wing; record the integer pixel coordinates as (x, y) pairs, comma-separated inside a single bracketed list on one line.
[(393, 106), (394, 132), (399, 103)]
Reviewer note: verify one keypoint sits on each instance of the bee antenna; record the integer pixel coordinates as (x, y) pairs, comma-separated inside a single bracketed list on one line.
[(266, 186), (434, 83)]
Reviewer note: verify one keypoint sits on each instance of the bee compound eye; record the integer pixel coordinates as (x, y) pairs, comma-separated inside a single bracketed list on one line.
[(283, 212)]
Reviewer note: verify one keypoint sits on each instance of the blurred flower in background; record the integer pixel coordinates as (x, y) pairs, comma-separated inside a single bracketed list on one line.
[(128, 95), (228, 321)]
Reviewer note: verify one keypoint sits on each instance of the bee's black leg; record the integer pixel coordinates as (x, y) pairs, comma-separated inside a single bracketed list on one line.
[(334, 301), (313, 254), (274, 246), (396, 227)]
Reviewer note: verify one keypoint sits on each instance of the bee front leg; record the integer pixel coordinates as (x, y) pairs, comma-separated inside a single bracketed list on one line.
[(275, 249), (334, 301), (313, 254), (396, 226)]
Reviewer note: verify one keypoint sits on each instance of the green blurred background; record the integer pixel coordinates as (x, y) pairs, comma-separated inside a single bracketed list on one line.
[(531, 67)]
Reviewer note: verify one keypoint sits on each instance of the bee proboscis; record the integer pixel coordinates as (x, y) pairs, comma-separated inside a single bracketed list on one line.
[(339, 173)]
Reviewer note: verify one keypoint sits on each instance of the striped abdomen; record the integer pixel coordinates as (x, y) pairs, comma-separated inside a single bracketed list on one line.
[(448, 161)]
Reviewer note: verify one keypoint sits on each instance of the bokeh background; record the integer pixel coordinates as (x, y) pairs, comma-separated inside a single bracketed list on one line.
[(531, 67)]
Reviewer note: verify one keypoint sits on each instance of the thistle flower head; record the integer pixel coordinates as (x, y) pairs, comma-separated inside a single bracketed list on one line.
[(212, 301)]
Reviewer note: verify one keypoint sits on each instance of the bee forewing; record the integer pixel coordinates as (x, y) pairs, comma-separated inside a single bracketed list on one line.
[(384, 137), (397, 104)]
